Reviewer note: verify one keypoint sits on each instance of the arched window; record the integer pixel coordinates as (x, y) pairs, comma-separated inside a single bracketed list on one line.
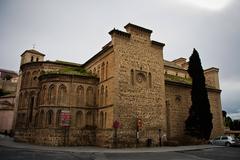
[(52, 94), (80, 96), (27, 79), (30, 108), (36, 120), (105, 120), (79, 119), (90, 96), (132, 77), (43, 95), (98, 97), (58, 118), (23, 79), (25, 100), (34, 78), (106, 95), (101, 95), (32, 59), (98, 71), (101, 119), (89, 118), (20, 101), (50, 117), (41, 119), (102, 71), (37, 59), (107, 70), (62, 95), (149, 80)]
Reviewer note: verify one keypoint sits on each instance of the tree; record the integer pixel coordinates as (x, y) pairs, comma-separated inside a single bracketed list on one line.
[(224, 114), (199, 123), (236, 125), (228, 122)]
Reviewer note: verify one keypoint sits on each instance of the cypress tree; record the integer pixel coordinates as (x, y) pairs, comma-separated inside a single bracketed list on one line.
[(199, 122)]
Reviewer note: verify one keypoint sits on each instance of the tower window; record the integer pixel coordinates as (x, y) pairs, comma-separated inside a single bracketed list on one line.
[(132, 77), (149, 80)]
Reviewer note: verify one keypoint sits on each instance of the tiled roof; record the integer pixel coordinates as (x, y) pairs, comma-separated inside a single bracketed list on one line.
[(33, 51)]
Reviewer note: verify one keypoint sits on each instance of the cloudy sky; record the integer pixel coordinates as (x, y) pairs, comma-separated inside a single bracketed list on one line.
[(75, 30)]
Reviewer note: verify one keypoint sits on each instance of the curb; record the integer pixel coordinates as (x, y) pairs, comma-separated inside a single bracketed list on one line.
[(88, 149)]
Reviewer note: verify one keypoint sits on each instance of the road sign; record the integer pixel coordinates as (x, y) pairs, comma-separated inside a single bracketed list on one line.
[(65, 118), (139, 123), (116, 124)]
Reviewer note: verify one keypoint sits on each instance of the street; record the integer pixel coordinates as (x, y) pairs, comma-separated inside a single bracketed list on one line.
[(222, 153)]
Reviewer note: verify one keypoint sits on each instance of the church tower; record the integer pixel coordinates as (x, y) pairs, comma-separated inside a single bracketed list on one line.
[(140, 91), (31, 56), (28, 56)]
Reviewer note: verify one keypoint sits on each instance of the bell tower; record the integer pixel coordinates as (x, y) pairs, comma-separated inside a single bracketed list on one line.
[(31, 56)]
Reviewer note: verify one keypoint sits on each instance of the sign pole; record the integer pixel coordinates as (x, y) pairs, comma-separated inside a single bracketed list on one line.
[(116, 125), (65, 135), (65, 123), (139, 126)]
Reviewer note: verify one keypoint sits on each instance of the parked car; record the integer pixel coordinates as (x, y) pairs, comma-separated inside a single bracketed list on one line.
[(225, 141)]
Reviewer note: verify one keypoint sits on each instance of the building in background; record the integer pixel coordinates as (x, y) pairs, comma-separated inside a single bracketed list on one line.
[(127, 83), (8, 75), (8, 87)]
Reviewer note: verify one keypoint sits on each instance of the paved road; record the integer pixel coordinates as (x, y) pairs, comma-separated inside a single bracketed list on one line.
[(223, 153)]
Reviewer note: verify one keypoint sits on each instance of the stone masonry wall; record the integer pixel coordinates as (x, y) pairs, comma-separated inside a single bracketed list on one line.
[(139, 87), (55, 137), (178, 102)]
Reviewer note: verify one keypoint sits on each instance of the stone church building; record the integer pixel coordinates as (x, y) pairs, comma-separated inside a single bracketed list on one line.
[(127, 81)]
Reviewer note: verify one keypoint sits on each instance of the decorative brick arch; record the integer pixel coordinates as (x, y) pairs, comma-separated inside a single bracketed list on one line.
[(101, 119), (80, 96), (52, 94), (102, 71), (43, 95), (62, 95), (101, 95), (27, 79), (90, 96), (31, 104), (20, 101), (89, 118), (25, 101), (58, 118), (49, 117), (36, 118), (42, 119), (79, 119)]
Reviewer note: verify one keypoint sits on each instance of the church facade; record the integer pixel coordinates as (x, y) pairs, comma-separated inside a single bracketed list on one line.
[(127, 82)]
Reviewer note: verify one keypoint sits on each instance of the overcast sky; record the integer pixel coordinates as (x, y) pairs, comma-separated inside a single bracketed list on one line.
[(75, 30)]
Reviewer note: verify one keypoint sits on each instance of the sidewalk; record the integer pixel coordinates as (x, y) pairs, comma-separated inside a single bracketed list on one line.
[(8, 142)]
